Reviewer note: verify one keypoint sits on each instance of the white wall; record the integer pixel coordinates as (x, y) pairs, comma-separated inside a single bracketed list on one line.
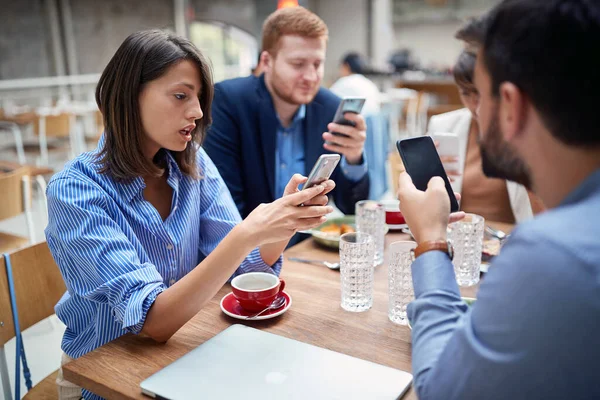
[(431, 43), (383, 39), (347, 24)]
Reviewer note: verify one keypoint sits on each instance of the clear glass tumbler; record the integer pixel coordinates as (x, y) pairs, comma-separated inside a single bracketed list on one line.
[(356, 271), (370, 218), (466, 237), (400, 285)]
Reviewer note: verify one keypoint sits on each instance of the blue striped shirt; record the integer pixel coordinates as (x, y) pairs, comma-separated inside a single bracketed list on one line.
[(115, 252)]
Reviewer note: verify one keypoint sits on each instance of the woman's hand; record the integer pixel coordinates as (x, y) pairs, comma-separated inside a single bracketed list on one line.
[(281, 219), (320, 200)]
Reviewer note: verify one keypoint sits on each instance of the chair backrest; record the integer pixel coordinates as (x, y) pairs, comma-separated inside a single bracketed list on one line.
[(59, 125), (12, 201), (38, 286), (7, 328)]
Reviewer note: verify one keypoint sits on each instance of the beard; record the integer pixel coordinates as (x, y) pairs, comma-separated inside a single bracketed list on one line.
[(499, 159), (286, 93)]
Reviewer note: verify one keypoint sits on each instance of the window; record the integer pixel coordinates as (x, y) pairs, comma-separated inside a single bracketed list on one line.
[(231, 50)]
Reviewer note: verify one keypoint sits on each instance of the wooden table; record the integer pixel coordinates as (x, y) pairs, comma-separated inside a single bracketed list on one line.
[(7, 166), (116, 369)]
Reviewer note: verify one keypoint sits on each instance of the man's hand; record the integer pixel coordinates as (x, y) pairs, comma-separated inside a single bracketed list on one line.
[(427, 213), (351, 146)]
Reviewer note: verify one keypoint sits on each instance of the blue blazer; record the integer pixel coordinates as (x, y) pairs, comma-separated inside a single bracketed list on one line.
[(242, 143)]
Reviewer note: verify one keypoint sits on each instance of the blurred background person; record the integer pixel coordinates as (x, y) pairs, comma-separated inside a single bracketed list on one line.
[(494, 199), (259, 68), (352, 83)]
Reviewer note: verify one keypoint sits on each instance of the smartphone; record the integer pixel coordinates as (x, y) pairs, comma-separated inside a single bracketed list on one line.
[(422, 162), (348, 104), (449, 144), (322, 170)]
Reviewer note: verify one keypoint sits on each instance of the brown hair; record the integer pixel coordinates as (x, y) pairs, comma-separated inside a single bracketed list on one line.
[(464, 69), (472, 32), (143, 57), (291, 21)]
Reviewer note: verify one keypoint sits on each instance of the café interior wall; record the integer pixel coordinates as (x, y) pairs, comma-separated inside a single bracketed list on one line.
[(348, 25), (432, 44)]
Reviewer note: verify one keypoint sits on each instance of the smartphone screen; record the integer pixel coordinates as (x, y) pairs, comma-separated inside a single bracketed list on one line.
[(322, 170), (422, 163)]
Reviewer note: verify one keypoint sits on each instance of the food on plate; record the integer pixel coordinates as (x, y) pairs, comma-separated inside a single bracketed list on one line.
[(337, 230), (491, 247)]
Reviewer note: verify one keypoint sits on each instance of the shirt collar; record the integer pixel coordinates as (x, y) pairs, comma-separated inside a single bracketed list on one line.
[(134, 187), (587, 188), (298, 117)]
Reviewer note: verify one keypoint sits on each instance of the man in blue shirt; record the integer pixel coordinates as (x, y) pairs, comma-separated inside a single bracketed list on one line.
[(267, 128), (533, 333)]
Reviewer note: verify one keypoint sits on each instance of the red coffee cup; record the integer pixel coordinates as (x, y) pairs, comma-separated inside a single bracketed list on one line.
[(393, 216), (255, 291)]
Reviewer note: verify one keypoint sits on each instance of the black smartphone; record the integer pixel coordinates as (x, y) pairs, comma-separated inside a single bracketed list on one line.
[(422, 162), (348, 104)]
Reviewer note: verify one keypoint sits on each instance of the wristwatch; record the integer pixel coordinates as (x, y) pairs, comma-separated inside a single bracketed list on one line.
[(441, 245)]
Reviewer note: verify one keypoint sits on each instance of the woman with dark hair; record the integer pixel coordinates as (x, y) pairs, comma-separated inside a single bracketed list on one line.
[(143, 228), (494, 199)]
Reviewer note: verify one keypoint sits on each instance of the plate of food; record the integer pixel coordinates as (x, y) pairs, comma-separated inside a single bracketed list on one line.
[(328, 234)]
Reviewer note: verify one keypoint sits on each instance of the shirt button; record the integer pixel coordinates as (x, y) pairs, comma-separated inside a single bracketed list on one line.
[(172, 282), (169, 246), (283, 165)]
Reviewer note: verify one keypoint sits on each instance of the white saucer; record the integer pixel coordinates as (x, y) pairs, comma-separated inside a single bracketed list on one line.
[(397, 227)]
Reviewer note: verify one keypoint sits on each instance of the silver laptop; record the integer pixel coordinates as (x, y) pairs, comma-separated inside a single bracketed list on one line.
[(246, 363)]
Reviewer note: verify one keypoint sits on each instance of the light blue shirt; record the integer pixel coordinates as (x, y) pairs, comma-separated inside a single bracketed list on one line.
[(534, 331), (290, 159), (115, 252)]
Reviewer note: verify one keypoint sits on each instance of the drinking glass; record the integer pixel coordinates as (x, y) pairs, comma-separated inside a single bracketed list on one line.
[(370, 218), (466, 237), (400, 285), (356, 271)]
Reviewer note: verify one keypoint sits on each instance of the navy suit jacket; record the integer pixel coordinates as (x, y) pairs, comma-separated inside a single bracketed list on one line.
[(242, 143)]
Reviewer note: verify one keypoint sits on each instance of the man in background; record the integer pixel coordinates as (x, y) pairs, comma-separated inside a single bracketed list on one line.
[(267, 128), (353, 83)]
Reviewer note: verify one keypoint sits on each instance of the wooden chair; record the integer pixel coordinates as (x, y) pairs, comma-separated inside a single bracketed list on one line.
[(15, 187), (396, 168), (416, 115), (13, 127), (59, 126), (38, 286)]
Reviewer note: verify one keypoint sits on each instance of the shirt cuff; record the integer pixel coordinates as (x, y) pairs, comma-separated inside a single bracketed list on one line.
[(431, 271), (255, 263), (354, 172), (136, 316), (135, 293)]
